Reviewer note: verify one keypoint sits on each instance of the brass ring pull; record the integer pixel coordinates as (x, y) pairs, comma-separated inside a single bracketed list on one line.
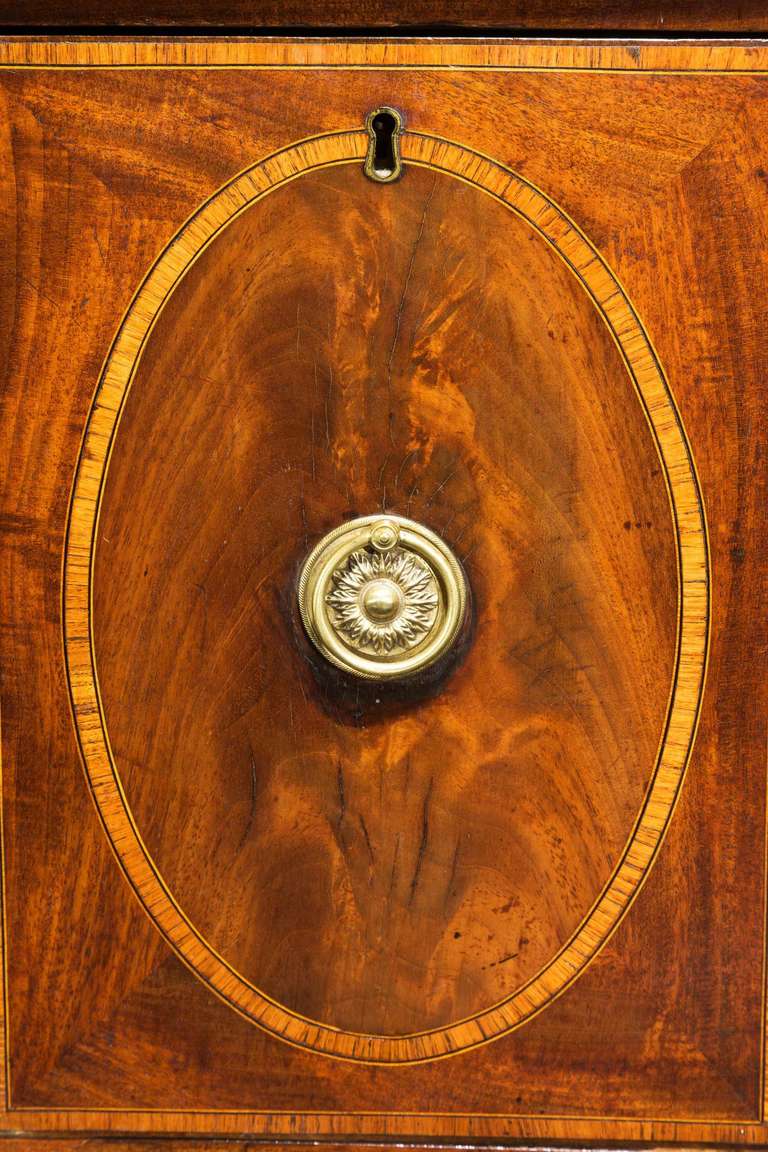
[(382, 597)]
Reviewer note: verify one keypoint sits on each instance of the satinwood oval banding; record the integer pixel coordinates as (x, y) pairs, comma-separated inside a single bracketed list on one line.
[(597, 280)]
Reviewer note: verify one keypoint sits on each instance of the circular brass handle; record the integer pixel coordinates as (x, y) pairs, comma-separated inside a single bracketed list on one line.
[(382, 597)]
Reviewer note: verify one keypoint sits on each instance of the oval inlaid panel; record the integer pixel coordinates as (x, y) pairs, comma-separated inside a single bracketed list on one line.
[(400, 873)]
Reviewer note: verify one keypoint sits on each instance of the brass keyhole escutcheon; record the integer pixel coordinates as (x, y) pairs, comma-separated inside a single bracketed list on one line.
[(383, 163), (382, 597)]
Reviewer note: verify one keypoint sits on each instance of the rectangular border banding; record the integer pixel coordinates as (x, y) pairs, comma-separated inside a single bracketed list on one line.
[(720, 58)]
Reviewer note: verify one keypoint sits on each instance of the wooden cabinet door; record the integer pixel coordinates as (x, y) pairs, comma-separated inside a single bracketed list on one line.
[(345, 876)]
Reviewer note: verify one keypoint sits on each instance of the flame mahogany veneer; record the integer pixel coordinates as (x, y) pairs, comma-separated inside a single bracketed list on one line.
[(521, 900)]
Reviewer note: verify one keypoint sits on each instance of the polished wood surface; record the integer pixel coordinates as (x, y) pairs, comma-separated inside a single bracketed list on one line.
[(245, 1144), (383, 864), (506, 54), (739, 16), (475, 54), (195, 246), (660, 1038), (234, 1144)]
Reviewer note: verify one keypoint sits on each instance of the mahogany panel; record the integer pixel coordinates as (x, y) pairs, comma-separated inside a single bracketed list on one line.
[(661, 1037), (380, 862)]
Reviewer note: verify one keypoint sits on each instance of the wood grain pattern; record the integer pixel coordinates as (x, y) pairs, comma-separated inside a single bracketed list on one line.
[(425, 54), (411, 931), (240, 1144), (660, 1038), (743, 17)]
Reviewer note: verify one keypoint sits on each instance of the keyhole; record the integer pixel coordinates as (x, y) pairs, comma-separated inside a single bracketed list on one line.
[(384, 128), (383, 162)]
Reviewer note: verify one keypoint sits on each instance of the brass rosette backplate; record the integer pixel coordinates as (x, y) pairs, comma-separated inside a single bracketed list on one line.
[(382, 597)]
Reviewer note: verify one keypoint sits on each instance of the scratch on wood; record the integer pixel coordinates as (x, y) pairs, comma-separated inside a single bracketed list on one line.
[(312, 447), (405, 460), (452, 877), (394, 864), (423, 841), (413, 492), (340, 789), (382, 485), (367, 838), (252, 808), (442, 484)]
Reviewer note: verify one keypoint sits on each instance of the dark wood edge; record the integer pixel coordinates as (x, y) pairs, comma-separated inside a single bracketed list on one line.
[(88, 1142)]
